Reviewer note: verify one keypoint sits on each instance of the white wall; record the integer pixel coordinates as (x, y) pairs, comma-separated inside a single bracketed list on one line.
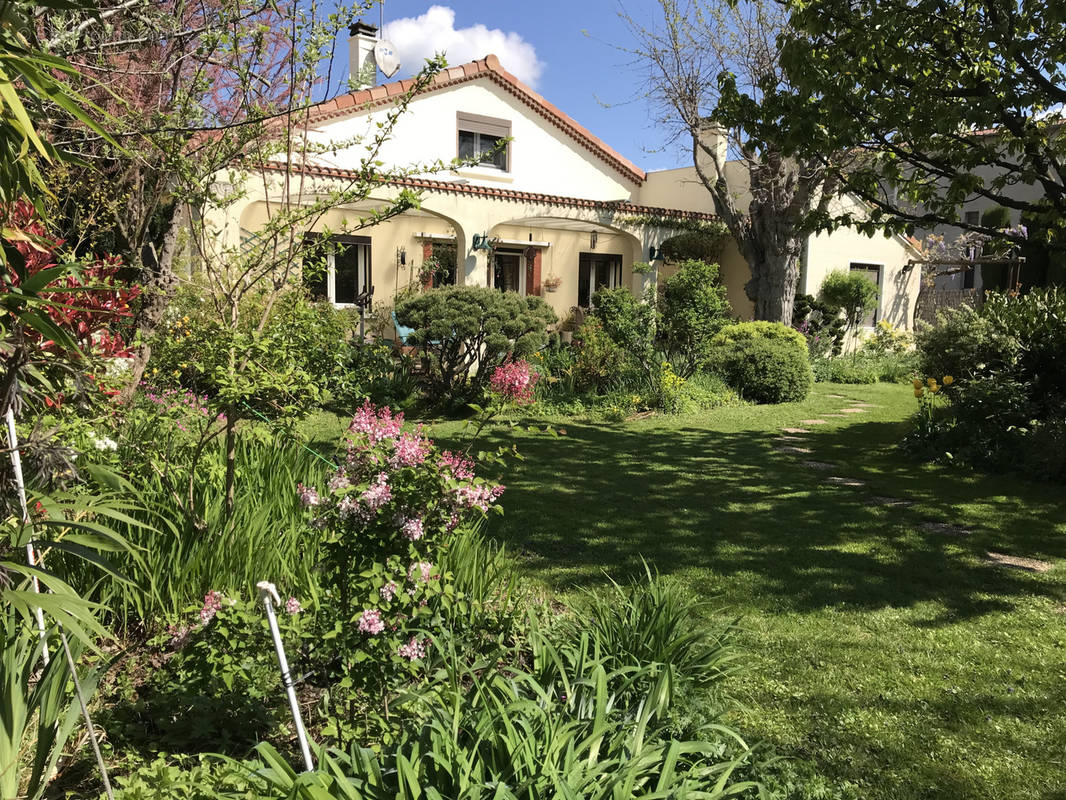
[(542, 157)]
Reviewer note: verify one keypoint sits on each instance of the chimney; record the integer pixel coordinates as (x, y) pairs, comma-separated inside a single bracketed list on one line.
[(362, 66), (715, 138)]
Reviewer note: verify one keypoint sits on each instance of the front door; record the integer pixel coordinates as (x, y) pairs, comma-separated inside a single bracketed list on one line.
[(507, 272), (597, 271)]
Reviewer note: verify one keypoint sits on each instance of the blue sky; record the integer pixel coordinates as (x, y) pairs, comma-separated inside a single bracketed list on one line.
[(566, 50)]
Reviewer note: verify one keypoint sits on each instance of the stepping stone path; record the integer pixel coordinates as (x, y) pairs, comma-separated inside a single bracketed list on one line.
[(793, 450), (813, 422), (853, 411), (784, 437), (832, 415), (836, 480), (795, 430), (1016, 562), (837, 396), (866, 405), (818, 464), (895, 502), (930, 526)]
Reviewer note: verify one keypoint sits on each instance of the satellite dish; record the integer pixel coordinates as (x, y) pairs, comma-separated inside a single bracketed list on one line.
[(385, 56)]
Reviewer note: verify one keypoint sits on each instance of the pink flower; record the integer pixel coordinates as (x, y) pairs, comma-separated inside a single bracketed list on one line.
[(348, 506), (514, 381), (292, 605), (460, 467), (413, 529), (376, 423), (339, 481), (411, 450), (413, 650), (378, 493), (370, 622), (478, 496), (212, 605), (388, 591), (419, 570), (308, 496)]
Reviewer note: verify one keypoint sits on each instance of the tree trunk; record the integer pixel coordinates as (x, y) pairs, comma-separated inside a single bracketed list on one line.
[(158, 291), (774, 276)]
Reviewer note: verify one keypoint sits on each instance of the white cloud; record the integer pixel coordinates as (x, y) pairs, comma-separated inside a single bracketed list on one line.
[(419, 38)]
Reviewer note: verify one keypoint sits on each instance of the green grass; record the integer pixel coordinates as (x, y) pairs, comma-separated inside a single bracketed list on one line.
[(894, 659)]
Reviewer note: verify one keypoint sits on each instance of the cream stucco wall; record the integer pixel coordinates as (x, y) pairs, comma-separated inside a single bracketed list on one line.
[(542, 157)]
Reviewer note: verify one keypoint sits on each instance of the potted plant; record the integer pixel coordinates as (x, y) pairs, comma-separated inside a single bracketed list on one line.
[(551, 283)]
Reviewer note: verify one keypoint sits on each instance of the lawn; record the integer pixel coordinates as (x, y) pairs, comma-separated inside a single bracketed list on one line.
[(893, 657)]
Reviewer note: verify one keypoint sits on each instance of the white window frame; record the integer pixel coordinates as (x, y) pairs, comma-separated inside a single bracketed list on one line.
[(364, 268)]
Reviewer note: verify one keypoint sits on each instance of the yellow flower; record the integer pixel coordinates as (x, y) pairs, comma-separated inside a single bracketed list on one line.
[(919, 392), (948, 380), (934, 389), (918, 383), (931, 382)]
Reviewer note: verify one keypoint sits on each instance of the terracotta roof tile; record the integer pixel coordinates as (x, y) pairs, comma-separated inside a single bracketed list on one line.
[(430, 184), (488, 67)]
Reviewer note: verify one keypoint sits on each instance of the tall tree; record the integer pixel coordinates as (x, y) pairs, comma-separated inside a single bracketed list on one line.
[(702, 59), (942, 101)]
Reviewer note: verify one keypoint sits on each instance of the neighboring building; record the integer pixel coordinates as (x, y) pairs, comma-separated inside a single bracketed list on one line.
[(557, 201)]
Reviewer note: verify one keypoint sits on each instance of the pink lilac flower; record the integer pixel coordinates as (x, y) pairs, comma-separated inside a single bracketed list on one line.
[(460, 467), (419, 570), (370, 622), (413, 529), (212, 605), (339, 481), (388, 591), (179, 636), (376, 424), (378, 493), (308, 496), (413, 650), (411, 450), (480, 496), (348, 506), (292, 605), (514, 381)]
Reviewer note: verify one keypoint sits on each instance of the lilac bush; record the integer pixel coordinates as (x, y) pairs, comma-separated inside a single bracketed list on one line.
[(385, 515)]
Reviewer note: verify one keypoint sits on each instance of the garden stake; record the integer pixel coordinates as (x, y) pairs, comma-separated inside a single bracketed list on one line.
[(16, 465), (31, 559), (269, 595)]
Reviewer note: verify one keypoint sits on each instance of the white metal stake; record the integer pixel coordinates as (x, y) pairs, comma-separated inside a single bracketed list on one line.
[(31, 556), (267, 593)]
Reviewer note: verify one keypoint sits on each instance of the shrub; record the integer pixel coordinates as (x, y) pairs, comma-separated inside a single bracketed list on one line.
[(631, 325), (692, 309), (599, 363), (468, 331), (866, 366), (888, 339), (1008, 388), (766, 362), (850, 292), (821, 324)]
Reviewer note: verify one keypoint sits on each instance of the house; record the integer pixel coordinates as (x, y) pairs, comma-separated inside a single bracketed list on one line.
[(554, 212)]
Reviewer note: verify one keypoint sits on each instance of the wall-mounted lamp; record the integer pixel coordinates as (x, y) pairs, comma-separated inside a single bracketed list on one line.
[(401, 256), (481, 241), (654, 254), (592, 240)]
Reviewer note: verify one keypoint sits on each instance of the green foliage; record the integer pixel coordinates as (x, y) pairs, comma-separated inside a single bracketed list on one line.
[(468, 331), (1009, 385), (852, 293), (697, 245), (692, 308), (766, 362), (866, 366), (996, 217), (631, 325), (599, 363), (821, 324)]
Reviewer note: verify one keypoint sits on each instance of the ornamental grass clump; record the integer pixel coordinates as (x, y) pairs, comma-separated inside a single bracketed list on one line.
[(386, 516)]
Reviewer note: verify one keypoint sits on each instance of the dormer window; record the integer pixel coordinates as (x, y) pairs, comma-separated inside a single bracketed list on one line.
[(484, 138)]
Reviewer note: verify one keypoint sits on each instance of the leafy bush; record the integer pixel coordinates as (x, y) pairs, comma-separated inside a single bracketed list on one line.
[(766, 362), (852, 293), (599, 363), (631, 325), (1008, 389), (692, 309), (468, 331), (866, 366), (821, 324)]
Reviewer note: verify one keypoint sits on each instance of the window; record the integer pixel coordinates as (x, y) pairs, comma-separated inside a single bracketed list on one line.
[(507, 272), (972, 217), (872, 272), (484, 138), (594, 272), (338, 269), (444, 253)]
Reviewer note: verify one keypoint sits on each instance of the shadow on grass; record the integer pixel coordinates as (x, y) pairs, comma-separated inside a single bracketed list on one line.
[(773, 533)]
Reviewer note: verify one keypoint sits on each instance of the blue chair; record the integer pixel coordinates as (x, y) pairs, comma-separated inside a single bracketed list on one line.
[(402, 332)]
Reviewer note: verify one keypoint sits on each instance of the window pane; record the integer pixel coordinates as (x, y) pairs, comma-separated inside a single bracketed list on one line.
[(346, 285), (467, 144), (497, 159), (445, 255), (583, 273), (872, 273)]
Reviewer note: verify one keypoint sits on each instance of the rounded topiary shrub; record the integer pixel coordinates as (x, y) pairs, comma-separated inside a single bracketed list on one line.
[(765, 362)]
